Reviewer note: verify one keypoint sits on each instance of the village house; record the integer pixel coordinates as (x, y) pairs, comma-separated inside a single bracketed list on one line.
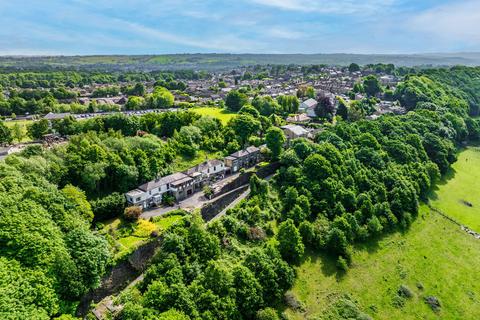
[(293, 131), (308, 107), (180, 184), (299, 118), (242, 159), (209, 170), (151, 192)]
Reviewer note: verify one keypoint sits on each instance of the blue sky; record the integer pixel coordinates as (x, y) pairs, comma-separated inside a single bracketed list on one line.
[(70, 27)]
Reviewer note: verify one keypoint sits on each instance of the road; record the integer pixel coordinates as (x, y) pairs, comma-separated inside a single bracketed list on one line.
[(189, 204), (197, 200)]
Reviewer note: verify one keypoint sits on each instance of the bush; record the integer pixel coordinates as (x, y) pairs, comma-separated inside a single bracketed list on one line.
[(342, 264), (405, 291), (345, 308), (398, 301), (168, 199), (108, 207), (292, 302), (132, 213), (267, 314), (144, 229), (256, 234), (207, 191)]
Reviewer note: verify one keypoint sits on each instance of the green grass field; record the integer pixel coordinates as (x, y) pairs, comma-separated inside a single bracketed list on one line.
[(182, 163), (434, 252), (223, 115), (458, 195)]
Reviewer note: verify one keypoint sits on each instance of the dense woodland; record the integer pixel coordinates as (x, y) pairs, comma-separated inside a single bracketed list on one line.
[(356, 180)]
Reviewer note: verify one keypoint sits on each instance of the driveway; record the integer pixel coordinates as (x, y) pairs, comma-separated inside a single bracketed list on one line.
[(189, 204)]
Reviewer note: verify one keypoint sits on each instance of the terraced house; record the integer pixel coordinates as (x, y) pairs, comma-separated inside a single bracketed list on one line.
[(180, 184), (184, 184)]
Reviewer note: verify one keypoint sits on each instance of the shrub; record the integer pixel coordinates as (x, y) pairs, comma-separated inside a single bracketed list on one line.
[(345, 308), (108, 207), (144, 228), (342, 264), (405, 291), (132, 213), (398, 301), (267, 314), (256, 234), (292, 302), (168, 199), (207, 191)]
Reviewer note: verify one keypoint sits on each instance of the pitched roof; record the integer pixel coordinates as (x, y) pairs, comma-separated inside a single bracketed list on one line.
[(239, 154), (297, 130), (310, 103), (299, 118), (162, 181), (56, 116), (181, 181), (203, 166), (252, 149)]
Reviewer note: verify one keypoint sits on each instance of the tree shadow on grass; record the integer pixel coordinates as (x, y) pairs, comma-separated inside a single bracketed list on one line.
[(328, 263), (432, 194)]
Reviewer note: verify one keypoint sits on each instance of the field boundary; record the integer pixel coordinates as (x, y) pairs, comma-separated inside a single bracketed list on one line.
[(474, 234)]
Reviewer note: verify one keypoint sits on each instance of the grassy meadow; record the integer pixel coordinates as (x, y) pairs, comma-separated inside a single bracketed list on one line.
[(222, 114), (458, 194), (434, 254), (433, 258)]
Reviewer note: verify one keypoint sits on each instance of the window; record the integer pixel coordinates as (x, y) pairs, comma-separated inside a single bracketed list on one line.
[(138, 199)]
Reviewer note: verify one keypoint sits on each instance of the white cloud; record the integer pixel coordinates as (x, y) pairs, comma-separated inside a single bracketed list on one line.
[(329, 6), (459, 21), (221, 42), (282, 33)]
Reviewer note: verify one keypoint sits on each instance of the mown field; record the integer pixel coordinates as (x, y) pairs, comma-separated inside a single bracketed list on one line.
[(219, 113), (433, 258), (458, 195)]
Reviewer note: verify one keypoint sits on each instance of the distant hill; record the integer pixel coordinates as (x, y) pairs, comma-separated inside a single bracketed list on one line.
[(223, 61)]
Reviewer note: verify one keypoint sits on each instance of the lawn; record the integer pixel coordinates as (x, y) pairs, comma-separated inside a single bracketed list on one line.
[(222, 114), (125, 237), (434, 254), (23, 124), (458, 195), (182, 163), (166, 222)]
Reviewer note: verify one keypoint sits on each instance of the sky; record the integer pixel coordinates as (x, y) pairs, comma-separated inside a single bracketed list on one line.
[(86, 27)]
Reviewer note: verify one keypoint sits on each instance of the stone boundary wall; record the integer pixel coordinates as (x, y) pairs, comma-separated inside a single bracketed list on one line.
[(244, 178), (211, 209), (120, 276)]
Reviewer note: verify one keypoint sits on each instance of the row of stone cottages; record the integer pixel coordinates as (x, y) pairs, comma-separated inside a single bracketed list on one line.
[(184, 184)]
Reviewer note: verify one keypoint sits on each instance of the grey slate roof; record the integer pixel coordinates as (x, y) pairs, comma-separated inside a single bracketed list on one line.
[(297, 130), (56, 116), (252, 149), (203, 166), (162, 181)]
